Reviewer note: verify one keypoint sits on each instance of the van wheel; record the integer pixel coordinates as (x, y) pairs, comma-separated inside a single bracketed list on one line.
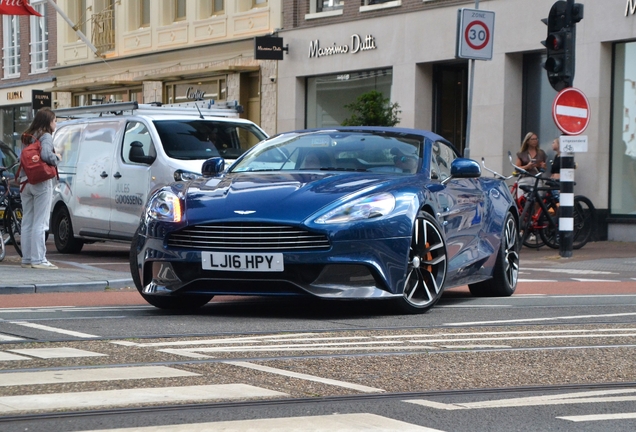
[(65, 242)]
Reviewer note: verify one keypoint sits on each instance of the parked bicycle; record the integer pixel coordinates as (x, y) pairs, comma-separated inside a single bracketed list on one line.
[(11, 208), (541, 212), (529, 233), (539, 206)]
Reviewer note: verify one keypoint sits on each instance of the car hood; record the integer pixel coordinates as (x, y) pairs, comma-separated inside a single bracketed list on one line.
[(290, 197)]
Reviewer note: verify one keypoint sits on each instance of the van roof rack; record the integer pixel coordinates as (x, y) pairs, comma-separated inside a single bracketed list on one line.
[(198, 108)]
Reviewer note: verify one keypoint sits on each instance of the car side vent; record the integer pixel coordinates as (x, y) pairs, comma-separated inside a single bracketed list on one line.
[(247, 237)]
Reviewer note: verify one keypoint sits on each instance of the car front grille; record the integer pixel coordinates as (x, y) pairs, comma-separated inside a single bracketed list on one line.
[(248, 237)]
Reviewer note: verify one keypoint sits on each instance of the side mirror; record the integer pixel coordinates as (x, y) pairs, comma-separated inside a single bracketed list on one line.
[(464, 168), (136, 154), (213, 167)]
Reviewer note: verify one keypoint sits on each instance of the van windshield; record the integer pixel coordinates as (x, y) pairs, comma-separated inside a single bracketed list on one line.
[(203, 139)]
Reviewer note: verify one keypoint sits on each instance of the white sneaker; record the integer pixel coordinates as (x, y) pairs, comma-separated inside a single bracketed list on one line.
[(44, 265)]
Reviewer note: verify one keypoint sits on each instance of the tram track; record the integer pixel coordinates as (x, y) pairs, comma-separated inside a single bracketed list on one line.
[(222, 405)]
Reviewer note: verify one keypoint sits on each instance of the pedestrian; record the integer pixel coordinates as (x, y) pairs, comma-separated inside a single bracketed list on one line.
[(555, 171), (530, 158), (36, 198)]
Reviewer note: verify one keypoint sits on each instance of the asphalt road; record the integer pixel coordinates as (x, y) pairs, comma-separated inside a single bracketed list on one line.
[(558, 355)]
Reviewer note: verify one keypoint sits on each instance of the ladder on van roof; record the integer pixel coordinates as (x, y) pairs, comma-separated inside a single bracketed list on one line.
[(198, 108)]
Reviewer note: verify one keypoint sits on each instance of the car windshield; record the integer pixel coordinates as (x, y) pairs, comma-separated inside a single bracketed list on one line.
[(390, 152), (203, 139)]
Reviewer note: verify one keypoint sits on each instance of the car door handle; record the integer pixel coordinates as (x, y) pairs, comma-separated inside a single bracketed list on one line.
[(103, 174), (117, 175)]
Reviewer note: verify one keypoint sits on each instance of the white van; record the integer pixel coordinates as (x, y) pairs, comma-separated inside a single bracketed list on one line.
[(114, 155)]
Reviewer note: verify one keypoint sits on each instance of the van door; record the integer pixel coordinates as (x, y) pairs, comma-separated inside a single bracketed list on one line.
[(91, 207), (131, 179)]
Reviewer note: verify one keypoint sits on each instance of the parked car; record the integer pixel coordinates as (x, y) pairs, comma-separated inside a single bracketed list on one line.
[(110, 162), (338, 213)]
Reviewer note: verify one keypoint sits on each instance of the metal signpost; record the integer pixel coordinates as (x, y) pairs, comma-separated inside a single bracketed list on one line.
[(571, 114), (570, 110), (475, 34)]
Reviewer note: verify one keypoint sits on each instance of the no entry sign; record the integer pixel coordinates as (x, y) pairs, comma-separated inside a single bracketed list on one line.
[(475, 31), (571, 111)]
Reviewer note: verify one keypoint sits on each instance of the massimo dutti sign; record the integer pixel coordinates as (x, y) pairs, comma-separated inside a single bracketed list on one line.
[(630, 7), (357, 45), (268, 48)]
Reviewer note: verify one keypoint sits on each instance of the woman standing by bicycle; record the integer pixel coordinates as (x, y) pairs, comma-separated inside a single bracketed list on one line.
[(36, 198), (531, 158)]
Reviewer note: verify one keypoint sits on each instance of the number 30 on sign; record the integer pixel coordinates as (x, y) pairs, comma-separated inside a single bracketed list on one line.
[(475, 31)]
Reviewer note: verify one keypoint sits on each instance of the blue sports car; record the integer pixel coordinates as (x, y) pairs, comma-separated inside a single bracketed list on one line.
[(338, 213)]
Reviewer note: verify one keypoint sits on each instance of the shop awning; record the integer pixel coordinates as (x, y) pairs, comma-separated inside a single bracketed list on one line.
[(92, 86), (196, 73)]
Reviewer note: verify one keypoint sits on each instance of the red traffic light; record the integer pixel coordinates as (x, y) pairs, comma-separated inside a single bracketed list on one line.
[(555, 41)]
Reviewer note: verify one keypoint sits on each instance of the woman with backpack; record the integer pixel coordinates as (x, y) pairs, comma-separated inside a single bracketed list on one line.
[(37, 196)]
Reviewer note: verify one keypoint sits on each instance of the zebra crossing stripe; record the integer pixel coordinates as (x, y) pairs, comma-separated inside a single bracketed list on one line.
[(7, 338), (53, 329), (306, 377), (362, 422), (90, 375), (145, 396)]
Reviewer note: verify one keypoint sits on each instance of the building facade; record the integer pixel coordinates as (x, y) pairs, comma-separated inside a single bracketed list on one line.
[(406, 49), (167, 51), (28, 51)]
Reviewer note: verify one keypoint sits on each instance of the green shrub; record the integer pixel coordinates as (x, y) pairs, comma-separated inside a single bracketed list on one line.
[(372, 109)]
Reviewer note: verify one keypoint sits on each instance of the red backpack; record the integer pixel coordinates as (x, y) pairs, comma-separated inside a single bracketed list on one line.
[(34, 167)]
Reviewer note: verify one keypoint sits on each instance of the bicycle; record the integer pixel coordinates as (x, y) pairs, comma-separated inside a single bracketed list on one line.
[(545, 218), (529, 233), (534, 239), (11, 206)]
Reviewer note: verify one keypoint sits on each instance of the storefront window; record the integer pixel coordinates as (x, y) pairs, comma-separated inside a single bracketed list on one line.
[(623, 170), (13, 121), (327, 95)]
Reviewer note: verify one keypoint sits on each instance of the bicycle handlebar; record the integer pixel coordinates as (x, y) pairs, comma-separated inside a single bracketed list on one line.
[(550, 182), (495, 173), (10, 167)]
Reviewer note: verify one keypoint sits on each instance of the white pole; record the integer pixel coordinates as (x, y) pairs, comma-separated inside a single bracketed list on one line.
[(74, 27), (469, 113)]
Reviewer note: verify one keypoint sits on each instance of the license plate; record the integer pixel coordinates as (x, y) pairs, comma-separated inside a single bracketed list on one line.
[(232, 261)]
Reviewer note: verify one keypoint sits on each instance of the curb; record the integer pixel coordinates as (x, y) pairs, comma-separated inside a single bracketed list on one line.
[(93, 286)]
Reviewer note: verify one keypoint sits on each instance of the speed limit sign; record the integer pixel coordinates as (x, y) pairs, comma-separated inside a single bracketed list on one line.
[(475, 31)]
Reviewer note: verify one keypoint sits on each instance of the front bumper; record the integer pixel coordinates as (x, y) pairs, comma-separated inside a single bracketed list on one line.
[(349, 270)]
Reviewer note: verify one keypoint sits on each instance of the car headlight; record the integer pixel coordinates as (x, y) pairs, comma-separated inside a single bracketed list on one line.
[(361, 209), (181, 175), (165, 206)]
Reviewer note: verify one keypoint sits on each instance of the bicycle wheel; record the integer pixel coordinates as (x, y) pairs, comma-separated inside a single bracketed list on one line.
[(533, 239), (13, 224), (3, 240), (584, 217), (550, 233)]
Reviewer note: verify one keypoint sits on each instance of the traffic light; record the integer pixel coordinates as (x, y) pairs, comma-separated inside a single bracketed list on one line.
[(561, 42)]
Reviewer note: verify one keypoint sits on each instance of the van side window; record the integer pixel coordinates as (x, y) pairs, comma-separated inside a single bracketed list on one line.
[(137, 142), (67, 144)]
